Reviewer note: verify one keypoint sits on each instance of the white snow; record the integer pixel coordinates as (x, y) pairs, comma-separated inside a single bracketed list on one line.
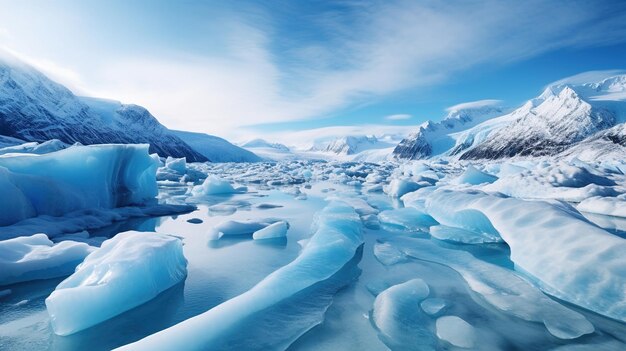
[(127, 271), (610, 206), (36, 257)]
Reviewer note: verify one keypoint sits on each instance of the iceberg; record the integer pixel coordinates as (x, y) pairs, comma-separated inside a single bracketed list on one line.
[(213, 185), (127, 271), (587, 265), (272, 231), (80, 177), (329, 251), (36, 257)]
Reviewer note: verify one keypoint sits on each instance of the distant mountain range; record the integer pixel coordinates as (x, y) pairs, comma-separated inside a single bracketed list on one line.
[(564, 116), (33, 108)]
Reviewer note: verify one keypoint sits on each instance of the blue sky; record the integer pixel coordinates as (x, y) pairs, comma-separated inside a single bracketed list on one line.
[(240, 68)]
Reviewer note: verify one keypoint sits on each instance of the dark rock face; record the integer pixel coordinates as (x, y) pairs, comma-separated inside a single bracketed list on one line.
[(34, 108), (415, 147)]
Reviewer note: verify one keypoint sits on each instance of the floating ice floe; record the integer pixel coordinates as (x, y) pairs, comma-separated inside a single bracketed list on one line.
[(499, 287), (80, 177), (233, 324), (456, 331), (214, 185), (407, 218), (127, 271), (272, 231), (36, 257), (398, 317), (238, 228), (570, 257)]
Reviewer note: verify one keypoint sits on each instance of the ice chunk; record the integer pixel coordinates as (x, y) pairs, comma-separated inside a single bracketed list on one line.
[(609, 206), (407, 218), (587, 263), (238, 228), (214, 185), (388, 255), (272, 231), (473, 176), (433, 305), (464, 236), (178, 165), (456, 331), (80, 177), (36, 257), (330, 250), (400, 186), (399, 319), (128, 270), (501, 288)]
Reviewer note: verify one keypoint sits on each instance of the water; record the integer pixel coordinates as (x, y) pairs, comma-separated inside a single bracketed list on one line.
[(220, 270)]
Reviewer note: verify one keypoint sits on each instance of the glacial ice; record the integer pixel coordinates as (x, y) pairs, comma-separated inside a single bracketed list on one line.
[(473, 176), (407, 218), (80, 177), (333, 245), (400, 186), (500, 287), (609, 206), (36, 257), (272, 231), (237, 228), (456, 331), (587, 270), (398, 317), (461, 235), (433, 305), (127, 271), (214, 185)]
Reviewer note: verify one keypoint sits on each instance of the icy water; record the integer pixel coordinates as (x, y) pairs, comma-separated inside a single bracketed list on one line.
[(220, 270)]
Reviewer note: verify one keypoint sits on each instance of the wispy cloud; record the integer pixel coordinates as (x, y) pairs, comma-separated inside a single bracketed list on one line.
[(268, 72), (398, 117), (474, 104)]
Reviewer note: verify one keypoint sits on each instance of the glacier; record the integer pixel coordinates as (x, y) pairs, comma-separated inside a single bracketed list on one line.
[(80, 177), (126, 271)]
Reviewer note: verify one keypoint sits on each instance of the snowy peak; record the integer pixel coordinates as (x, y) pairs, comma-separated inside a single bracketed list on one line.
[(433, 138), (35, 108), (260, 143), (354, 144)]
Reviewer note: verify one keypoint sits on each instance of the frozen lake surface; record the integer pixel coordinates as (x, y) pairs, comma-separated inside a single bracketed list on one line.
[(403, 289)]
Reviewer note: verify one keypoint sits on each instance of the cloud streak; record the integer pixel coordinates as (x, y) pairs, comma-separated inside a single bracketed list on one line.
[(338, 57)]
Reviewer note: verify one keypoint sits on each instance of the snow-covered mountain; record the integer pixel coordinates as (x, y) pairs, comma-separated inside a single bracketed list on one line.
[(434, 138), (35, 108), (261, 143), (354, 144), (215, 148), (563, 116)]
